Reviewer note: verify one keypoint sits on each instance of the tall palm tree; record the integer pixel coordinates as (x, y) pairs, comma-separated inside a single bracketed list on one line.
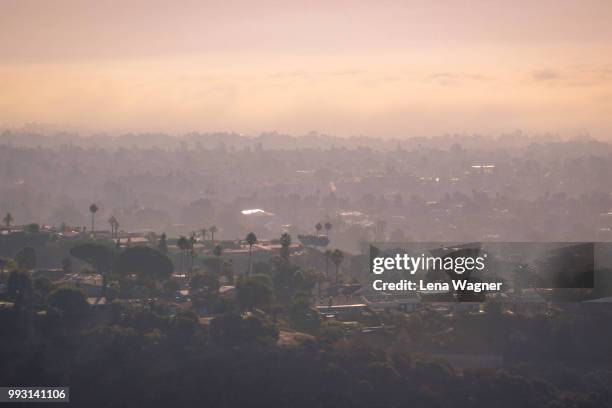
[(320, 280), (251, 239), (203, 233), (8, 220), (337, 258), (328, 226), (328, 254), (182, 245), (217, 252), (192, 241), (318, 227), (114, 224), (93, 209), (212, 230)]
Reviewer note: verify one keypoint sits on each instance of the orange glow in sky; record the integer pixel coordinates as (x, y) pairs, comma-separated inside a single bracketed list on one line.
[(379, 68)]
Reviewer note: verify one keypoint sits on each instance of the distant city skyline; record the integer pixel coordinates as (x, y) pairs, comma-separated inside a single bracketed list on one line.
[(375, 68)]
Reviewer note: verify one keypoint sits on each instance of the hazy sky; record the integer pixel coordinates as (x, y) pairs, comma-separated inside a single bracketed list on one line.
[(380, 68)]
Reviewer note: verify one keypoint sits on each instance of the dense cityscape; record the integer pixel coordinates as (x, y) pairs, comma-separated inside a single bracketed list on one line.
[(140, 274)]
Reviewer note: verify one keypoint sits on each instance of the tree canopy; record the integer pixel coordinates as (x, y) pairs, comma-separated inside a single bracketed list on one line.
[(255, 291), (146, 263), (26, 258), (251, 239), (233, 329), (69, 300), (99, 256)]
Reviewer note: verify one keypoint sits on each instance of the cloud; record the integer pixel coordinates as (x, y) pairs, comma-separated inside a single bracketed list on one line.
[(545, 74), (347, 73), (291, 75), (454, 78)]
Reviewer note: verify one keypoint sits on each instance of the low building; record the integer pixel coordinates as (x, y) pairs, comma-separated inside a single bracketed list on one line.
[(90, 284), (338, 310), (380, 302)]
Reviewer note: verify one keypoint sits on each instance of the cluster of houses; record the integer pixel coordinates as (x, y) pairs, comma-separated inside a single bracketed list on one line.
[(368, 301)]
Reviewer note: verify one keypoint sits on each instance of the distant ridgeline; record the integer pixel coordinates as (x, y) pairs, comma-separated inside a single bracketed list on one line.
[(41, 136)]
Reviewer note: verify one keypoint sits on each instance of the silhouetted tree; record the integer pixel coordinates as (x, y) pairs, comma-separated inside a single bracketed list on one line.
[(43, 287), (171, 287), (182, 243), (93, 209), (70, 301), (17, 283), (328, 254), (320, 279), (114, 224), (337, 257), (302, 316), (19, 289), (162, 245), (218, 250), (212, 230), (231, 329), (208, 280), (146, 263), (285, 241), (328, 227), (251, 239), (192, 252), (254, 291), (67, 265), (99, 256), (318, 227), (26, 258), (8, 220), (32, 228)]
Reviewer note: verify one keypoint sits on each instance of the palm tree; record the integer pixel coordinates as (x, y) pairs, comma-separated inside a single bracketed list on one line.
[(182, 244), (114, 224), (163, 243), (251, 239), (8, 220), (93, 209), (318, 227), (192, 241), (328, 254), (285, 241), (217, 252), (337, 258), (320, 280), (328, 226), (212, 230)]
